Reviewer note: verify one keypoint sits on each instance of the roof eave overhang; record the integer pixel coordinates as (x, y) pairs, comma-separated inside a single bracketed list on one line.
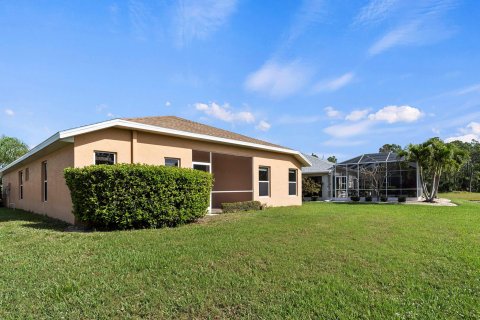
[(68, 135)]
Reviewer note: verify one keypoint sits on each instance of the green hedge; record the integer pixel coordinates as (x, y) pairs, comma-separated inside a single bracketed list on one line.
[(126, 196), (241, 206)]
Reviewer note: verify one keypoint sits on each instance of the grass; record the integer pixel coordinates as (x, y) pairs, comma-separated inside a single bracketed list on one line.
[(472, 196), (334, 261)]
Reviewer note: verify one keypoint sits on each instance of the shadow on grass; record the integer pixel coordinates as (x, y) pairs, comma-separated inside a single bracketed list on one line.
[(34, 221)]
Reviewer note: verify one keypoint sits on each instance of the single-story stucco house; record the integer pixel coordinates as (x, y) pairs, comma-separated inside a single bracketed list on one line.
[(244, 168)]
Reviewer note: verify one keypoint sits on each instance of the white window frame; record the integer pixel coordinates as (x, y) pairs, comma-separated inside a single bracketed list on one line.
[(263, 181), (293, 182), (20, 184), (98, 151), (203, 164), (178, 159), (44, 175)]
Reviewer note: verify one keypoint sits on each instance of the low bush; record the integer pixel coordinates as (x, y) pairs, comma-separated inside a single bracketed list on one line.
[(402, 199), (368, 198), (383, 199), (355, 198), (241, 206), (126, 196)]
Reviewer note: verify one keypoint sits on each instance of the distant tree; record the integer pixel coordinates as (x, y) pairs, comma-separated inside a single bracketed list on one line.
[(467, 178), (434, 158), (332, 159), (11, 149), (386, 148), (314, 155), (310, 187)]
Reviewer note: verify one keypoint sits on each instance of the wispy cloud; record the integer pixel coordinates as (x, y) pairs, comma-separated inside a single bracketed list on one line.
[(334, 84), (416, 24), (225, 113), (140, 17), (196, 19), (357, 115), (279, 80), (375, 11), (168, 103), (9, 112), (310, 13), (470, 89)]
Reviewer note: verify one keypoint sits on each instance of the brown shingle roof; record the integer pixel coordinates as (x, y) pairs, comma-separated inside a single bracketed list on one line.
[(176, 123)]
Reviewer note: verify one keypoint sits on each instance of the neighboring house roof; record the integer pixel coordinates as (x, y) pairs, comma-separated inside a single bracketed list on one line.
[(177, 123), (172, 126), (318, 165), (374, 158)]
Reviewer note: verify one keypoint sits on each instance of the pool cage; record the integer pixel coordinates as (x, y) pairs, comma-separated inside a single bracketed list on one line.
[(376, 175)]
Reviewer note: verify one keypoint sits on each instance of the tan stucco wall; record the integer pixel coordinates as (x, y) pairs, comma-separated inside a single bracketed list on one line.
[(152, 148), (112, 140), (59, 203)]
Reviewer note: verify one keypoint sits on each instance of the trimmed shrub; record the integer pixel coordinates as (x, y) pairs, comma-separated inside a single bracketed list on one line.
[(355, 198), (126, 196), (402, 199), (368, 198), (241, 206), (383, 199)]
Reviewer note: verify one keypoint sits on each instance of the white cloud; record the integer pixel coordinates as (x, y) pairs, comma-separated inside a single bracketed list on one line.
[(393, 114), (334, 84), (9, 112), (471, 132), (348, 130), (474, 127), (279, 80), (375, 11), (464, 138), (196, 19), (333, 113), (263, 126), (225, 112), (168, 104), (357, 115)]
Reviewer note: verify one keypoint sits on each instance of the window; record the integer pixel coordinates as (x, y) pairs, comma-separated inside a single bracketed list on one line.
[(20, 183), (264, 181), (172, 162), (44, 181), (105, 157), (292, 182), (27, 174), (202, 166)]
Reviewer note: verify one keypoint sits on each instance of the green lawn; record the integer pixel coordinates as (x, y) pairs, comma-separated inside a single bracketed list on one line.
[(472, 196), (322, 260)]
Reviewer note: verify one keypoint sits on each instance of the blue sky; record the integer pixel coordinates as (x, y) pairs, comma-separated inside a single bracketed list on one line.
[(330, 77)]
